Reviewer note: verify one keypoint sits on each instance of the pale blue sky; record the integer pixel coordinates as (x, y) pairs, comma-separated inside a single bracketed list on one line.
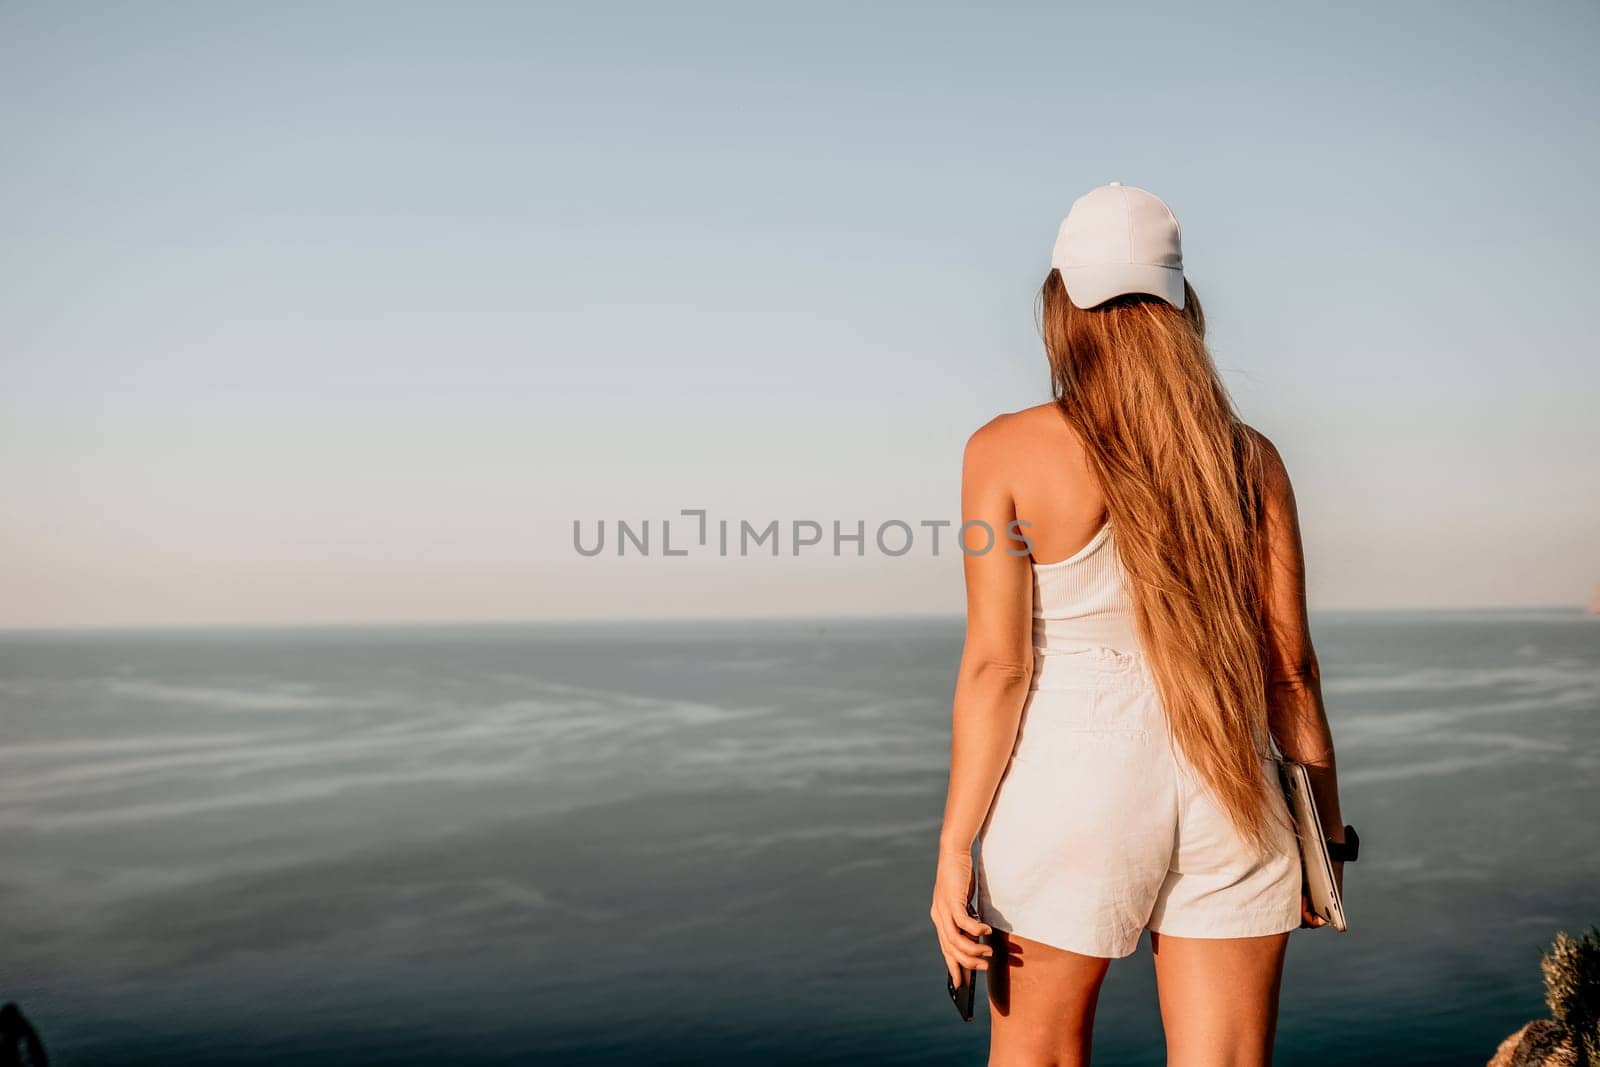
[(319, 315)]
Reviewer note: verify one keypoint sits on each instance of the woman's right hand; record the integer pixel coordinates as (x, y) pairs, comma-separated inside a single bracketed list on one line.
[(958, 931), (1309, 918)]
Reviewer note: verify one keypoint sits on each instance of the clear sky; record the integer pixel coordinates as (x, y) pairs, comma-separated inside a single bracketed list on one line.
[(343, 313)]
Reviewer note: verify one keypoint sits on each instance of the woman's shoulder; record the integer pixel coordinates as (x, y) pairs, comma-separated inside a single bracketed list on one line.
[(1274, 474), (1016, 448), (1012, 427)]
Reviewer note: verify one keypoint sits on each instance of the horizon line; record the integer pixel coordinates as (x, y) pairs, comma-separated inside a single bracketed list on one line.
[(1577, 609)]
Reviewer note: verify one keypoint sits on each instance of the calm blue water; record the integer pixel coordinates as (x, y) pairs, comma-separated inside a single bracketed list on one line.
[(696, 843)]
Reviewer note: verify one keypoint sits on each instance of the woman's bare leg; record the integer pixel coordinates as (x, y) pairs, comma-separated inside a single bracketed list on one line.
[(1041, 1003), (1219, 998)]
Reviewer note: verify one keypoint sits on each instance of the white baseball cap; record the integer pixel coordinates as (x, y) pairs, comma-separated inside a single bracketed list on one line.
[(1116, 240)]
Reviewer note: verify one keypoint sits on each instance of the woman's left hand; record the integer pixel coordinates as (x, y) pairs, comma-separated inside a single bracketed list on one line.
[(958, 931)]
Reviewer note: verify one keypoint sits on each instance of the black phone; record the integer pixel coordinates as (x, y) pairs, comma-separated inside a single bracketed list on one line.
[(962, 996)]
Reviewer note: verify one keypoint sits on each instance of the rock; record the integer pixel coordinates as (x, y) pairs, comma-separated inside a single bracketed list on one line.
[(1571, 1037), (1539, 1044)]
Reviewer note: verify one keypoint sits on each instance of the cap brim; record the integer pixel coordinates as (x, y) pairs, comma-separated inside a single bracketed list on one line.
[(1089, 286)]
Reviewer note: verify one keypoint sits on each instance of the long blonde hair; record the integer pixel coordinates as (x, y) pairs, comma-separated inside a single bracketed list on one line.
[(1182, 478)]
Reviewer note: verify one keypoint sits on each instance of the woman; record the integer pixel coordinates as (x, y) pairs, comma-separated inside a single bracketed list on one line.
[(1129, 650)]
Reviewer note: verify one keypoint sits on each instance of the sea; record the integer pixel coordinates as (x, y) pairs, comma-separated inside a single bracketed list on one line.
[(698, 843)]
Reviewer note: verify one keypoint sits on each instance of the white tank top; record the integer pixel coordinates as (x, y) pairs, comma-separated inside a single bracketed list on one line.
[(1084, 599)]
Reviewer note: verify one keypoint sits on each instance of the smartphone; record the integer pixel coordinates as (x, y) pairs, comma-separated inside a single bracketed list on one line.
[(962, 996)]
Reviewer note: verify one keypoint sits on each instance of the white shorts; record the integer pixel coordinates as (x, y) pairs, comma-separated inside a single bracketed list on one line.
[(1100, 829)]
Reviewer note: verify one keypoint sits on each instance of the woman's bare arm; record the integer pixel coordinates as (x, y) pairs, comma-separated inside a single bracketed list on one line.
[(1296, 714), (991, 687), (997, 659)]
